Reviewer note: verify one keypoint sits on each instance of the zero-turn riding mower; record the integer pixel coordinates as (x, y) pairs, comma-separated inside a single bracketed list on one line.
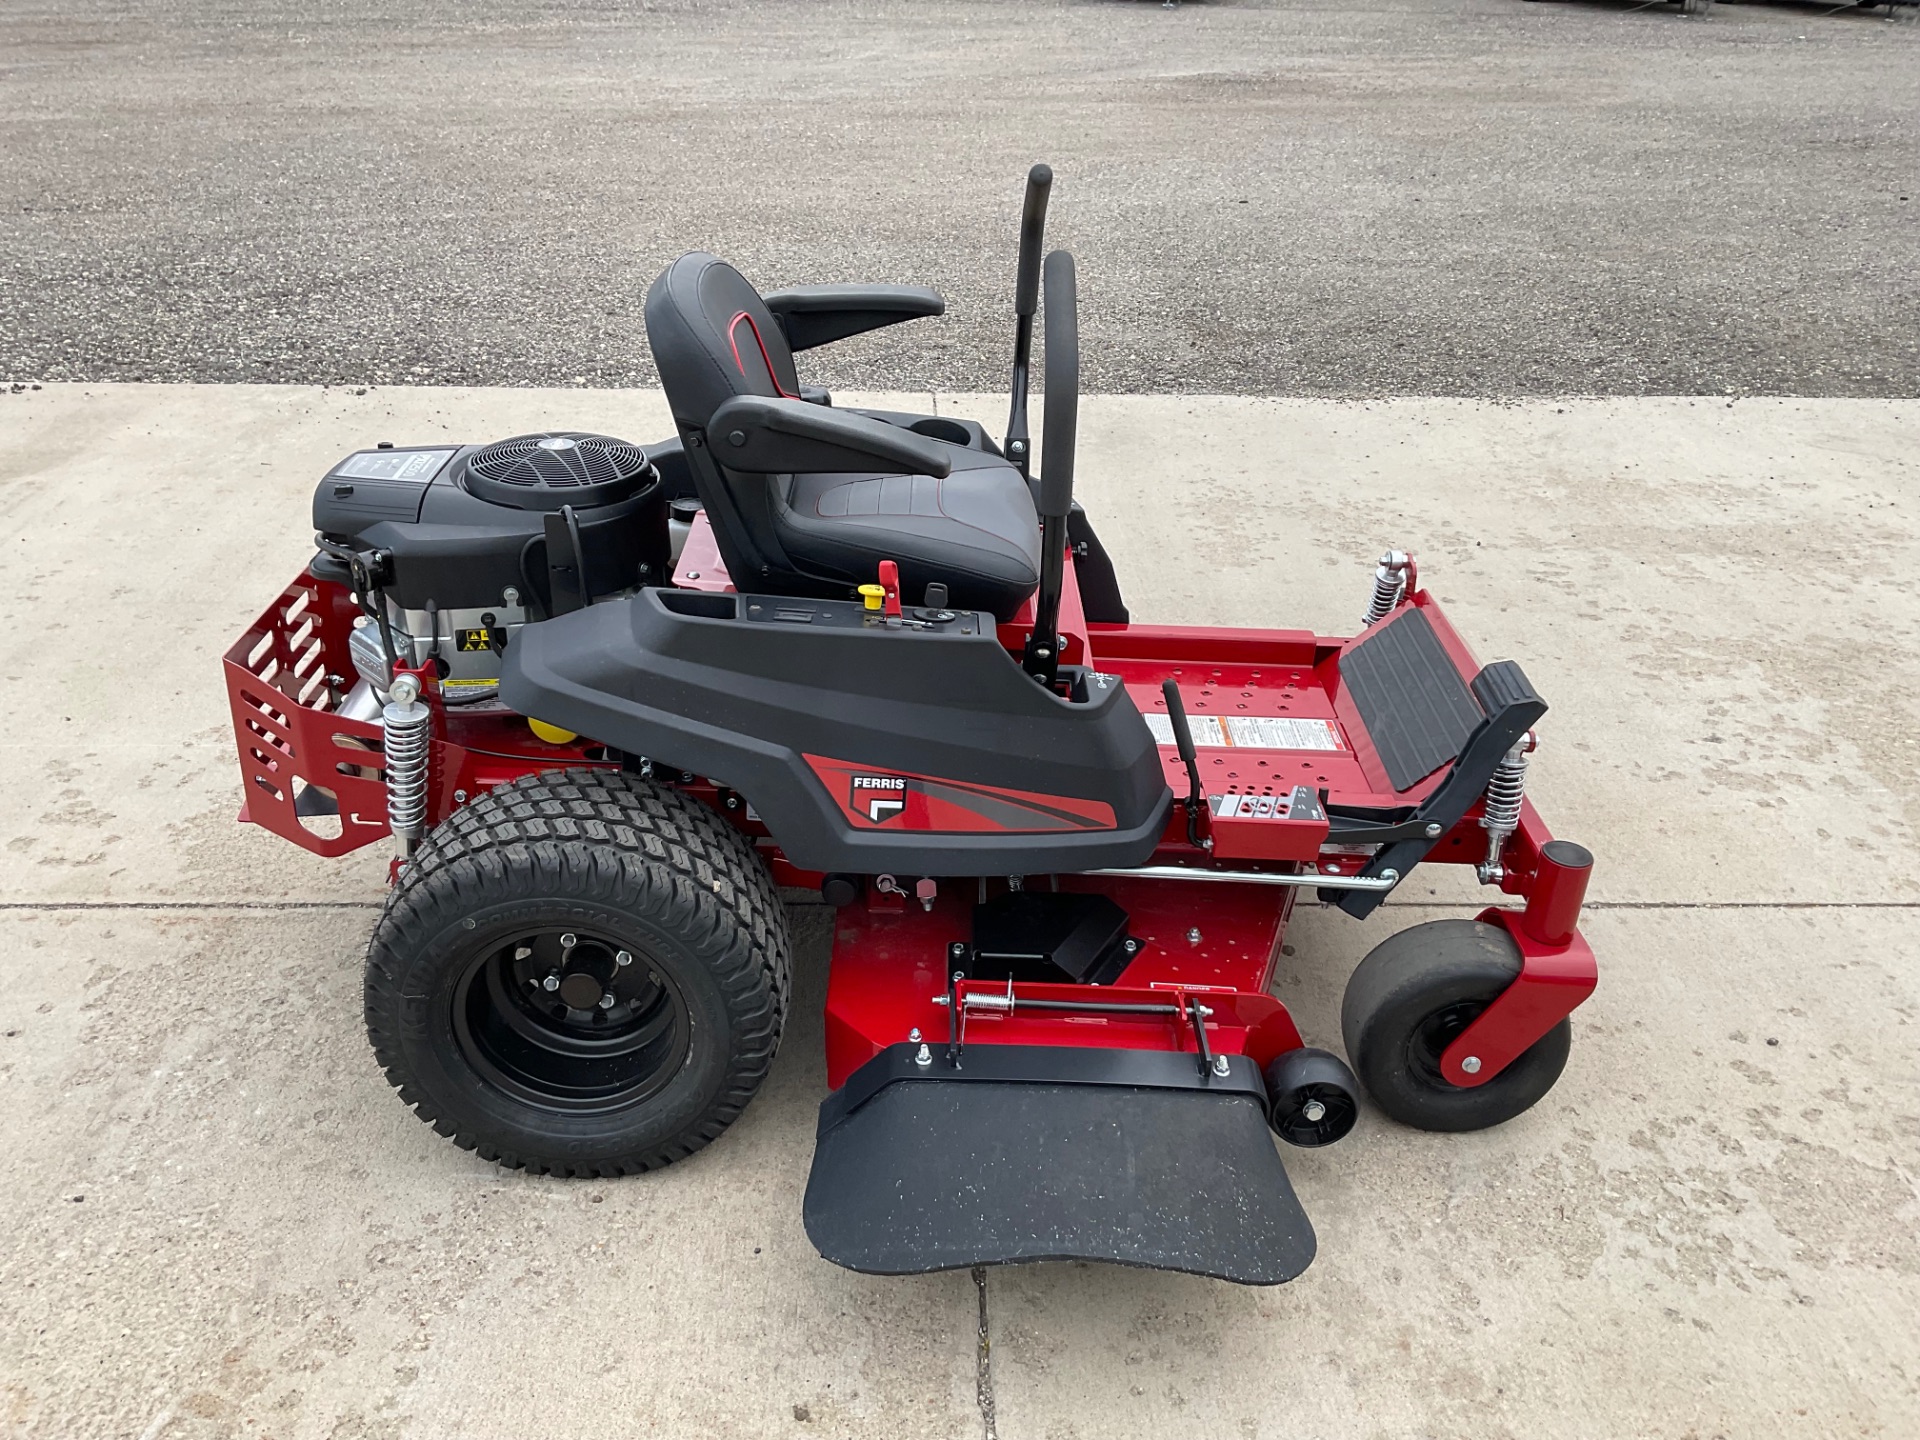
[(609, 700)]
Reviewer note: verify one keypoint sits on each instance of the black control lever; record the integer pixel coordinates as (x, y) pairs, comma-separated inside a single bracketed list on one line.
[(1058, 433), (1183, 742), (1026, 300)]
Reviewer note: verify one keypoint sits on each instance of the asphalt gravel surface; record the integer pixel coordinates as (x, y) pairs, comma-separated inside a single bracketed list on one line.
[(1455, 197)]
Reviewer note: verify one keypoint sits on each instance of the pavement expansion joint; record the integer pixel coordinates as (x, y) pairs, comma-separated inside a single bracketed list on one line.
[(983, 1361)]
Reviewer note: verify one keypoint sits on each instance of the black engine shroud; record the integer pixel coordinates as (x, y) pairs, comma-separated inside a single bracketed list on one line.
[(558, 518)]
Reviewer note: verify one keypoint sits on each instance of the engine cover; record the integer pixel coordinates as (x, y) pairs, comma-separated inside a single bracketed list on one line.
[(467, 543)]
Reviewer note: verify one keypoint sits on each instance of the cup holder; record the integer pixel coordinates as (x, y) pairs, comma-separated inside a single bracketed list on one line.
[(934, 428)]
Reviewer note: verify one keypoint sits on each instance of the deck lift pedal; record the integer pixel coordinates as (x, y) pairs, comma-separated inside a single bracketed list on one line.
[(609, 699)]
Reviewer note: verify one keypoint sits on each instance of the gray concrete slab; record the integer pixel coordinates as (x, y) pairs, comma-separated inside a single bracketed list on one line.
[(1708, 1228), (224, 1224), (1476, 197), (1698, 1231)]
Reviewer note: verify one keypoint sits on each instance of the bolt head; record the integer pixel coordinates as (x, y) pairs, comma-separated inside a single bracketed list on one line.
[(551, 983), (1314, 1111), (1220, 1065), (1471, 1064), (913, 1036), (569, 940), (606, 1000), (1193, 936), (625, 957), (1434, 830), (923, 1056)]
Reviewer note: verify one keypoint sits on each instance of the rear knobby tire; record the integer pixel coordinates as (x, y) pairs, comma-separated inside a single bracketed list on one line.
[(1407, 1001), (560, 874)]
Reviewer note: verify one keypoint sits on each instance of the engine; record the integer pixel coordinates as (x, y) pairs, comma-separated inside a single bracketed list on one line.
[(451, 549)]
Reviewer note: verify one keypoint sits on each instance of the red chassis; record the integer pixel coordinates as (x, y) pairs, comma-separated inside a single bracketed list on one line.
[(1214, 942)]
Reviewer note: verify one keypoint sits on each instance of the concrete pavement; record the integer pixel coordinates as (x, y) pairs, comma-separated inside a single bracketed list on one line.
[(224, 1224)]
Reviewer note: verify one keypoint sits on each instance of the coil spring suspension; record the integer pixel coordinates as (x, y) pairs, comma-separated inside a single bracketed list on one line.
[(1389, 584), (408, 725), (1500, 817)]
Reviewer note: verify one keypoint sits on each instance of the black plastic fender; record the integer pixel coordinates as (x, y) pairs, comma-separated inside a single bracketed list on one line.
[(812, 711)]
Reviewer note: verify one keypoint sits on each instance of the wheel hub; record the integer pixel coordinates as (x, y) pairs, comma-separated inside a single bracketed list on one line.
[(569, 1020)]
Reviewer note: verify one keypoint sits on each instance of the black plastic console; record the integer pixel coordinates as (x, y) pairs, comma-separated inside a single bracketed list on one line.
[(920, 748)]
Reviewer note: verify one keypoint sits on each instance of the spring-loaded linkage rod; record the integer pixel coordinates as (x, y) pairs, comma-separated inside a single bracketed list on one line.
[(407, 723), (1389, 585), (1500, 817)]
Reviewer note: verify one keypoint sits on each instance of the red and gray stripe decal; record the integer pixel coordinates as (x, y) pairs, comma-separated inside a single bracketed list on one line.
[(930, 803)]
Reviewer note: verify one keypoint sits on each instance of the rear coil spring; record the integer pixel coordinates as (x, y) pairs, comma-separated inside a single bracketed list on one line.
[(1389, 584), (408, 728)]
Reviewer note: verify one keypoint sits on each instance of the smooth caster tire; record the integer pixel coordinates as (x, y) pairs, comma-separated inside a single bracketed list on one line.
[(1405, 1004), (1312, 1097), (579, 973)]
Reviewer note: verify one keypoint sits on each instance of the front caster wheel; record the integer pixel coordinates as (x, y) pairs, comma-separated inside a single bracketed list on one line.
[(581, 974), (1312, 1097), (1405, 1004)]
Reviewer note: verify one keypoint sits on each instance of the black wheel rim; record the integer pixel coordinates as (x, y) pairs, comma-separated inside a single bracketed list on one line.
[(1433, 1035), (558, 1019), (1316, 1114)]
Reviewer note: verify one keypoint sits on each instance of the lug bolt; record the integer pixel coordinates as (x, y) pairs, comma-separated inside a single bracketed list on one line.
[(551, 983), (606, 1000), (1471, 1064), (625, 957), (569, 940), (1314, 1111)]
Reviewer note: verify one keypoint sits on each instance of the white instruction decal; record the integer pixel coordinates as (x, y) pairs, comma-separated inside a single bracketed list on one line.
[(1251, 732), (1274, 732), (1206, 730)]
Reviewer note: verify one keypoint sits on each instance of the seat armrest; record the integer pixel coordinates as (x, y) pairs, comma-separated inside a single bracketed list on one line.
[(814, 315), (763, 436)]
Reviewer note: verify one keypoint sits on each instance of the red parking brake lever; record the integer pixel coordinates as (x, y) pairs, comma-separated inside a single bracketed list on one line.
[(890, 582)]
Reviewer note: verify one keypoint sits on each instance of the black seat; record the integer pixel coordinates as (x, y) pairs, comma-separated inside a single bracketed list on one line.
[(968, 523)]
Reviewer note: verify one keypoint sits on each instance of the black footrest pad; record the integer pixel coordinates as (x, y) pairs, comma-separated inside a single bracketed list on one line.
[(944, 1174), (1417, 709)]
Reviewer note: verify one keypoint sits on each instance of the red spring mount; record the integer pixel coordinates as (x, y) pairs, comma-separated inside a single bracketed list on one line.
[(1557, 969)]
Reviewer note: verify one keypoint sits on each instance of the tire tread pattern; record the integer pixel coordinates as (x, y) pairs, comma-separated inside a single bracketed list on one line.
[(624, 841)]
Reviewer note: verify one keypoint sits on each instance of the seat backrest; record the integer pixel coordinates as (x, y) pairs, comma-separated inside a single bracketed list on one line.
[(713, 338)]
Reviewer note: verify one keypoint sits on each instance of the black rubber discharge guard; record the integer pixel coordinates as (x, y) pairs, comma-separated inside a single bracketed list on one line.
[(1032, 1153)]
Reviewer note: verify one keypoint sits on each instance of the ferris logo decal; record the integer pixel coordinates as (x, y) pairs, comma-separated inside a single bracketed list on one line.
[(879, 797)]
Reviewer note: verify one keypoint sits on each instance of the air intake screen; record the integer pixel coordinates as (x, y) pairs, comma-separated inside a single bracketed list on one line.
[(544, 472)]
